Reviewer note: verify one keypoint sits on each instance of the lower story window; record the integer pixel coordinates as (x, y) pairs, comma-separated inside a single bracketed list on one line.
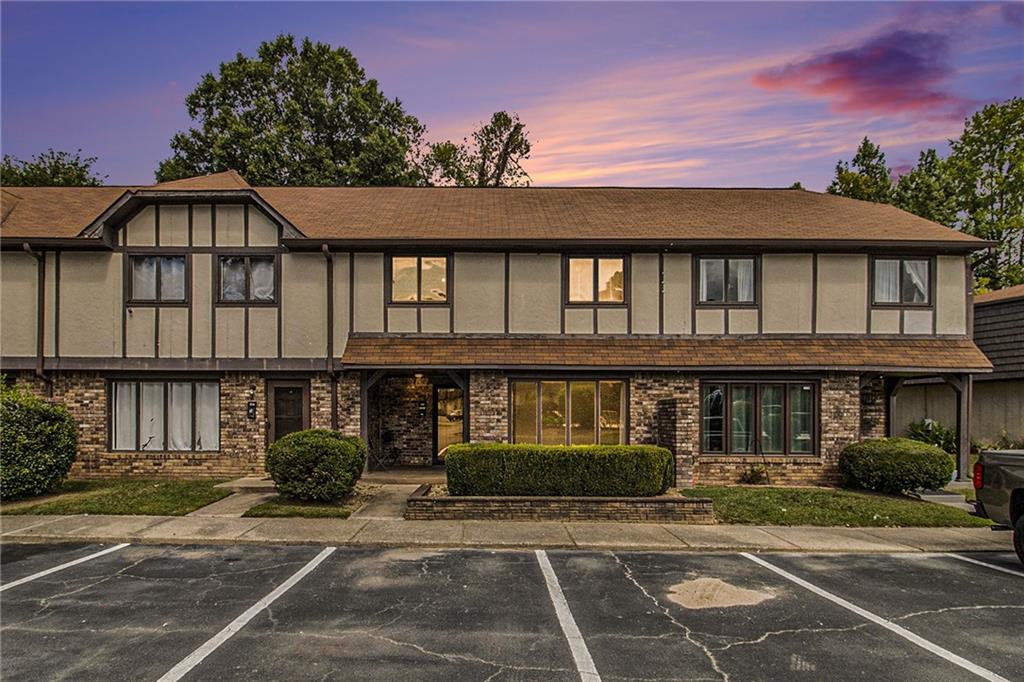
[(767, 418), (165, 415), (569, 412)]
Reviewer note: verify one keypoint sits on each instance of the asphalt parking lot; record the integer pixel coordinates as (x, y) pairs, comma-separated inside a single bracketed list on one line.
[(141, 612)]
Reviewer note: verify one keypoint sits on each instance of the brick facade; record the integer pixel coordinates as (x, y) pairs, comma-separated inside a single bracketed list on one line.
[(488, 407), (873, 409), (402, 421)]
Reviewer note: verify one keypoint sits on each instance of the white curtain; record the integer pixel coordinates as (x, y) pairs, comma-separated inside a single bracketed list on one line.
[(743, 272), (262, 279), (124, 415), (172, 278), (208, 416), (581, 280), (887, 281), (232, 279), (144, 278), (712, 280), (152, 417), (917, 279), (179, 416)]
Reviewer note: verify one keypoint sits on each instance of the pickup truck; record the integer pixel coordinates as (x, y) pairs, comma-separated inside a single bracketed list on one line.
[(999, 483)]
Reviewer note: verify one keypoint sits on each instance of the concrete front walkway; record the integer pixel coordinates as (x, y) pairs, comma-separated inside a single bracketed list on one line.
[(494, 534)]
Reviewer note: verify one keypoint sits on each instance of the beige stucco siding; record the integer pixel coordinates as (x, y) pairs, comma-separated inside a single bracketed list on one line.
[(230, 225), (479, 292), (202, 233), (90, 304), (579, 320), (401, 319), (202, 292), (917, 321), (435, 320), (678, 304), (230, 328), (50, 306), (262, 230), (19, 292), (787, 293), (304, 305), (141, 230), (612, 320), (341, 302), (710, 321), (140, 333), (743, 321), (645, 289), (535, 293), (885, 321), (842, 294), (951, 295), (369, 292), (174, 226), (997, 406), (262, 332), (173, 323)]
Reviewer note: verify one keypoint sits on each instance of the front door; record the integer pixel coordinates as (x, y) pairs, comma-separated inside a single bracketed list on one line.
[(448, 420), (288, 407)]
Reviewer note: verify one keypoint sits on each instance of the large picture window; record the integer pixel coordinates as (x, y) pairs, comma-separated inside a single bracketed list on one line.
[(569, 412), (157, 279), (727, 281), (419, 279), (902, 281), (247, 279), (596, 280), (165, 415), (752, 417)]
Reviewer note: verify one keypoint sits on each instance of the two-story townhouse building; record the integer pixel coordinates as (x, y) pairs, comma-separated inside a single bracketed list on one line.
[(186, 325)]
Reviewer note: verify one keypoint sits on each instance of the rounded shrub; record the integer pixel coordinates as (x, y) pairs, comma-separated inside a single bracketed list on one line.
[(38, 442), (895, 465), (316, 465)]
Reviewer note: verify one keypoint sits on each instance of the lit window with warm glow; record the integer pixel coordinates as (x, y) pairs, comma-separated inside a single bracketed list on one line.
[(419, 279)]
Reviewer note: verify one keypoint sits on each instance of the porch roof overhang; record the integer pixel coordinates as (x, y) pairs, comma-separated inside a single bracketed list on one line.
[(896, 355)]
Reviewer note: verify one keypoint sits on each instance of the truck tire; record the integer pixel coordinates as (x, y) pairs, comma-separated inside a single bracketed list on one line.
[(1018, 538)]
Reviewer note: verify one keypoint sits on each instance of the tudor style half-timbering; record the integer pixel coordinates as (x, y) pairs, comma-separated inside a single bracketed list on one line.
[(189, 324)]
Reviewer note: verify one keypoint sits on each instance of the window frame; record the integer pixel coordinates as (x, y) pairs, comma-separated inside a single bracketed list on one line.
[(389, 279), (754, 304), (537, 381), (129, 280), (166, 383), (757, 384), (927, 305), (595, 266), (248, 301)]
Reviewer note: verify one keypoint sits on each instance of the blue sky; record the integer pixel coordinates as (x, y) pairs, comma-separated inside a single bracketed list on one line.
[(706, 94)]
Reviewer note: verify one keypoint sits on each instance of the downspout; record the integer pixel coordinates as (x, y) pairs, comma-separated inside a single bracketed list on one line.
[(330, 336), (40, 308)]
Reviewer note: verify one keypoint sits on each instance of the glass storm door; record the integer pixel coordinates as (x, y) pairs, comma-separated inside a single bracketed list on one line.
[(448, 425)]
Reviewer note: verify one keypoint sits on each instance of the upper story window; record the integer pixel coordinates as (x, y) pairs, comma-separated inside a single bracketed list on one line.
[(902, 281), (599, 279), (157, 279), (247, 279), (419, 279), (758, 418), (727, 281)]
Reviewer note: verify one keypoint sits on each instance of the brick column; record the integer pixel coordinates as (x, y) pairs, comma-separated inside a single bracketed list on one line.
[(872, 409), (488, 407)]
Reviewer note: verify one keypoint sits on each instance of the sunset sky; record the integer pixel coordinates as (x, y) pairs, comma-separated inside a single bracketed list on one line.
[(724, 94)]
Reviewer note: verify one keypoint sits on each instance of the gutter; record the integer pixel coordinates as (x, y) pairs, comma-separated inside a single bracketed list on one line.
[(331, 372), (40, 308)]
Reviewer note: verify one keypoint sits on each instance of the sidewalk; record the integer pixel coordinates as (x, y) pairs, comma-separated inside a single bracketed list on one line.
[(494, 534)]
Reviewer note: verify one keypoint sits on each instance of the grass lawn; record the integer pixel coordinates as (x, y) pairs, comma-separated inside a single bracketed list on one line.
[(764, 505), (283, 507), (120, 496)]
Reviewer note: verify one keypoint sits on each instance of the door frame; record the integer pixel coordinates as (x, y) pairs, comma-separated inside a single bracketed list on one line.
[(273, 384)]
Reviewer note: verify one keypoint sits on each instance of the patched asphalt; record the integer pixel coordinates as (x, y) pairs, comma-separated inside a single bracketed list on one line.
[(420, 614)]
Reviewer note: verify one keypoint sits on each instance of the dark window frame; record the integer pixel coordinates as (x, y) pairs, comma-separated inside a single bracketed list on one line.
[(389, 279), (248, 301), (757, 383), (596, 380), (927, 305), (166, 382), (595, 303), (754, 304), (129, 281)]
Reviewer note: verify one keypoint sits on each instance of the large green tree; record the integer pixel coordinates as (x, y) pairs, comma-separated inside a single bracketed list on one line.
[(927, 190), (50, 169), (492, 158), (986, 165), (866, 177), (297, 115)]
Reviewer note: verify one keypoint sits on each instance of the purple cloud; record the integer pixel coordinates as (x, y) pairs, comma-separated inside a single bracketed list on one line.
[(896, 72), (1013, 14)]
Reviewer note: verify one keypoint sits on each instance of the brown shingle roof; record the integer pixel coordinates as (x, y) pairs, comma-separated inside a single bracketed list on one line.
[(45, 212), (687, 353), (226, 180), (1007, 294)]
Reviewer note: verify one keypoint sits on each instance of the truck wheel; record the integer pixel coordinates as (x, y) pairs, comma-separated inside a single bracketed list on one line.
[(1018, 538)]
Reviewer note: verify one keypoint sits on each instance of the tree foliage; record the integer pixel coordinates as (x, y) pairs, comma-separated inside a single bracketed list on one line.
[(866, 177), (927, 190), (492, 158), (50, 169), (297, 115)]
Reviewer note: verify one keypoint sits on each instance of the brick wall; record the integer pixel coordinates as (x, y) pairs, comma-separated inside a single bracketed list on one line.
[(872, 410), (403, 415), (663, 410), (488, 407)]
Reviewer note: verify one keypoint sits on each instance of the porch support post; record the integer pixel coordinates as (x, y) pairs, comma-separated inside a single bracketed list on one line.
[(366, 382), (892, 387), (962, 384)]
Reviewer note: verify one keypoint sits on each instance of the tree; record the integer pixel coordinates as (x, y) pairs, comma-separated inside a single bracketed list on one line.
[(492, 159), (297, 116), (50, 169), (986, 166), (927, 190), (866, 177), (796, 185)]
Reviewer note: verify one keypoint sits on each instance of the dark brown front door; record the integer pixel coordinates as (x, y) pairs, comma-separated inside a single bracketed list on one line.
[(288, 408)]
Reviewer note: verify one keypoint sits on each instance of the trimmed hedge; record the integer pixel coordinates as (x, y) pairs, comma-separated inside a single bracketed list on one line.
[(38, 443), (557, 470), (895, 465), (316, 465)]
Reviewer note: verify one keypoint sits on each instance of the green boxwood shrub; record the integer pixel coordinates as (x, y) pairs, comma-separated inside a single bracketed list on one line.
[(895, 465), (38, 443), (582, 470), (316, 465)]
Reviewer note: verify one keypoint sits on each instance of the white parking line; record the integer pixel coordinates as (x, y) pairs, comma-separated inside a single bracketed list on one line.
[(983, 673), (578, 647), (1019, 574), (196, 657), (61, 567)]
